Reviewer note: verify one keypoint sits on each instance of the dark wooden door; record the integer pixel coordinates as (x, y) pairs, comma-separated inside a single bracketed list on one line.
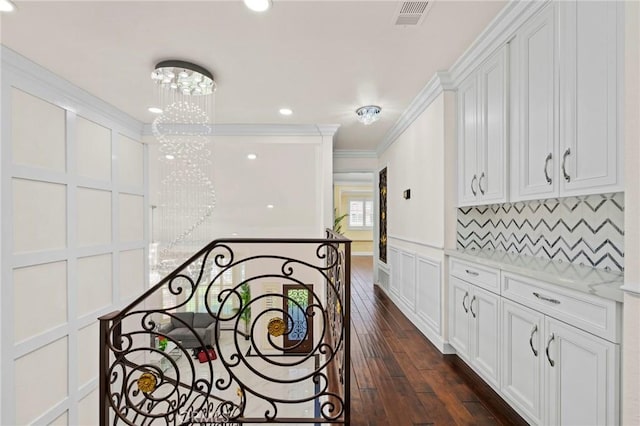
[(299, 336)]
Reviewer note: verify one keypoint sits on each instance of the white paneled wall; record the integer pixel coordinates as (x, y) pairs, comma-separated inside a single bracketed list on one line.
[(73, 200), (416, 288)]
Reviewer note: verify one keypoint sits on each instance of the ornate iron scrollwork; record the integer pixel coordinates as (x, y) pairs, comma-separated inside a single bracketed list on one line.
[(142, 384)]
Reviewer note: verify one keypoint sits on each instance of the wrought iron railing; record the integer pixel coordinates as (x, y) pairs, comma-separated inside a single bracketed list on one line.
[(289, 364)]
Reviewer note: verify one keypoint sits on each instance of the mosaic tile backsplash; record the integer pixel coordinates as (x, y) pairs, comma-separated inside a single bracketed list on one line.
[(586, 230)]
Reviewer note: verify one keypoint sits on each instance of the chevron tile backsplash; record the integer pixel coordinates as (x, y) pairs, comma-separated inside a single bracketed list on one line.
[(585, 230)]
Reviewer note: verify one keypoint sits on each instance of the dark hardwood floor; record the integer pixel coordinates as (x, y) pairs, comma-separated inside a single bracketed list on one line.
[(399, 378)]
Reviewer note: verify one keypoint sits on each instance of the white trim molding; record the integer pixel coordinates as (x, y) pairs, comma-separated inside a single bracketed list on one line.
[(65, 94), (255, 129), (498, 32), (414, 241), (348, 153), (439, 82)]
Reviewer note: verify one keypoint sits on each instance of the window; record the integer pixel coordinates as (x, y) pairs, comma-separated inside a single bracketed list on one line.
[(360, 213), (226, 281)]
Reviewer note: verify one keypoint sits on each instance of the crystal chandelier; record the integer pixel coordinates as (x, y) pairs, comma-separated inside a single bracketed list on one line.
[(368, 114), (187, 196)]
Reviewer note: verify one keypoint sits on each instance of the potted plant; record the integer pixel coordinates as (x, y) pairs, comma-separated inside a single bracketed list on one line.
[(245, 297), (337, 221)]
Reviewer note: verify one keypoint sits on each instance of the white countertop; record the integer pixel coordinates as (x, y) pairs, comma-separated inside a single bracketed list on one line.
[(580, 278)]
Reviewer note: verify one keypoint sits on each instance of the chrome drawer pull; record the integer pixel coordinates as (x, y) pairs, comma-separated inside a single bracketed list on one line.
[(564, 161), (472, 273), (466, 295), (475, 177), (551, 338), (546, 299), (471, 306), (480, 183), (535, 329), (546, 165)]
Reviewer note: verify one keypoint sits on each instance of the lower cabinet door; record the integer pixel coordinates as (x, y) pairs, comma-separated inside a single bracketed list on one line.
[(522, 359), (581, 375), (459, 316), (484, 308)]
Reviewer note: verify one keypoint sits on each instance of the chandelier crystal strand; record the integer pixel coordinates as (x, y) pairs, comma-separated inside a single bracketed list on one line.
[(185, 94)]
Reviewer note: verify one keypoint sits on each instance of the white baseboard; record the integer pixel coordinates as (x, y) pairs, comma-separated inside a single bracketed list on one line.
[(361, 253), (433, 336)]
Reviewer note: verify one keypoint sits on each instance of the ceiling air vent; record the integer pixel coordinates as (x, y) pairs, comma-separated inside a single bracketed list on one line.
[(411, 12)]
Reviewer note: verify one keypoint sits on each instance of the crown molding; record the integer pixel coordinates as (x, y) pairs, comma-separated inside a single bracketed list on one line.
[(348, 153), (439, 82), (499, 31), (254, 129), (64, 93)]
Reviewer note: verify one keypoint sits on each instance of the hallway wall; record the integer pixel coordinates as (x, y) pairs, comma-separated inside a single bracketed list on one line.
[(73, 203), (422, 159)]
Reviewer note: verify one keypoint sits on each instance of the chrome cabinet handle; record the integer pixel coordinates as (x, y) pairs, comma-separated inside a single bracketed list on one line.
[(472, 273), (546, 299), (466, 295), (472, 189), (546, 166), (564, 161), (535, 329), (480, 183), (551, 339), (471, 306)]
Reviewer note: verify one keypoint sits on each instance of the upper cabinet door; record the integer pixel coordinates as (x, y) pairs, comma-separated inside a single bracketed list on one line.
[(590, 142), (468, 118), (492, 163), (534, 123)]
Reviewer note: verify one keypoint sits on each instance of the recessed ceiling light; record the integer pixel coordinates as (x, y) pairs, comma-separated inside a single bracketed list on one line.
[(286, 111), (269, 206), (7, 6), (258, 5), (169, 157), (235, 234), (252, 156), (155, 110)]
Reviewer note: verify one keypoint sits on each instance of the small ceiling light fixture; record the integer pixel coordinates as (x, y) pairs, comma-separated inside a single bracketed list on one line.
[(258, 5), (286, 111), (7, 6), (368, 114), (155, 110), (269, 206), (252, 156)]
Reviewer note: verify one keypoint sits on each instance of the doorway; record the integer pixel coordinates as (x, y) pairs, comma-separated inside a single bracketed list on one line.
[(299, 337)]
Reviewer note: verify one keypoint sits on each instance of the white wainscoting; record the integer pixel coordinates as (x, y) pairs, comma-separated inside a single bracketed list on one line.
[(416, 283), (73, 192)]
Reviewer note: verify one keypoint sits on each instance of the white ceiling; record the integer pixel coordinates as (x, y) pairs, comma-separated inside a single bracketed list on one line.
[(323, 59)]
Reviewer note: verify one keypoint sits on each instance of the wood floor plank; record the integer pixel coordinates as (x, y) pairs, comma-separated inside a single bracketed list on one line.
[(398, 377)]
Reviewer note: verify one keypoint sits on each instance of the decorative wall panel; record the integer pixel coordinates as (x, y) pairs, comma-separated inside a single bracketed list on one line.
[(382, 244), (585, 230)]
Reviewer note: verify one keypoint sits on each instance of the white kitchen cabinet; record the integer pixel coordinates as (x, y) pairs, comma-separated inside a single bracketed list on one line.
[(484, 308), (482, 128), (581, 373), (474, 328), (522, 359), (468, 152), (550, 351), (533, 119), (459, 330), (590, 77), (566, 83)]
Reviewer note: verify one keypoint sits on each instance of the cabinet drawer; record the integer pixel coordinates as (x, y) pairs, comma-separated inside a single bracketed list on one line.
[(593, 314), (482, 276)]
